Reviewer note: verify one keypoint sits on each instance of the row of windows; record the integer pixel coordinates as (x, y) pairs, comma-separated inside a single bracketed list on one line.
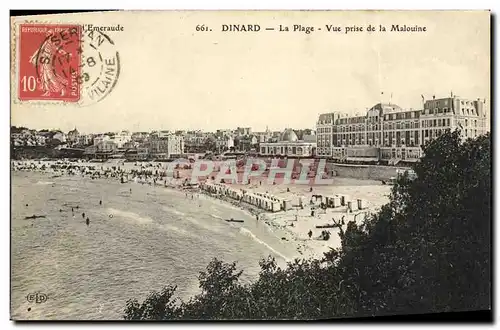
[(351, 120), (320, 130), (439, 122), (436, 122), (436, 111), (464, 111), (401, 115), (401, 125)]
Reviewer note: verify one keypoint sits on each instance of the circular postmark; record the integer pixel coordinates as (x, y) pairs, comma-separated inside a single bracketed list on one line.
[(100, 64)]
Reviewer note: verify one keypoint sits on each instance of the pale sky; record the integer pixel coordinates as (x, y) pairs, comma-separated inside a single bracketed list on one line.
[(173, 77)]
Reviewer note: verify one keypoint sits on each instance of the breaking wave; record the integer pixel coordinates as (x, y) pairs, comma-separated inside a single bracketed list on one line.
[(200, 224), (173, 211), (248, 233), (45, 182), (216, 217), (177, 230), (130, 216)]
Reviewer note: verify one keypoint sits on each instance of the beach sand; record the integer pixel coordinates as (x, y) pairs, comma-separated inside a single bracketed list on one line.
[(294, 225)]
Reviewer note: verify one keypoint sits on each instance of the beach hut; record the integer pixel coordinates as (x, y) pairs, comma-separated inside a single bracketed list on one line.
[(333, 201), (349, 206), (287, 204), (301, 201), (275, 206), (343, 199), (362, 204)]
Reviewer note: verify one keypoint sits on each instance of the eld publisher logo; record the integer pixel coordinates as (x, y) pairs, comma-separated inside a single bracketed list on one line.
[(37, 297)]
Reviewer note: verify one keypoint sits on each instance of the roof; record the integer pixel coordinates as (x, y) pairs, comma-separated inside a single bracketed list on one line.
[(289, 135), (326, 117), (386, 107)]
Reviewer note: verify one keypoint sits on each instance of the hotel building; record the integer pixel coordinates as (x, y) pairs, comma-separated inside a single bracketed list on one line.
[(391, 134)]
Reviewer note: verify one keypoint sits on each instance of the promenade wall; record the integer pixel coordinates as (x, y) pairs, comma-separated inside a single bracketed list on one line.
[(372, 172)]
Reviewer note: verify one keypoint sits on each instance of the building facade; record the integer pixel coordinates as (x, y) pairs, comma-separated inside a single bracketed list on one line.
[(121, 138), (288, 145), (165, 145), (389, 133), (224, 143), (73, 136)]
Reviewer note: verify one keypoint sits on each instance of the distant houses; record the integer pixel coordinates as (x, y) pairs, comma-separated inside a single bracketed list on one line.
[(158, 145)]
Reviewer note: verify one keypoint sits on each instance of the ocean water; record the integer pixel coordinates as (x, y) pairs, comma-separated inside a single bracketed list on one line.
[(137, 242)]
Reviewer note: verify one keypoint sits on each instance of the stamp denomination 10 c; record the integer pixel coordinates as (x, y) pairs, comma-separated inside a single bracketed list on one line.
[(49, 61)]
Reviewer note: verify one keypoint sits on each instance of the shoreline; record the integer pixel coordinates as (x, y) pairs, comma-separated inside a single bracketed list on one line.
[(290, 226)]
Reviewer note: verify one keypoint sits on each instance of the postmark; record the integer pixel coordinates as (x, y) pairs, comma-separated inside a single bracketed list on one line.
[(49, 62), (100, 67)]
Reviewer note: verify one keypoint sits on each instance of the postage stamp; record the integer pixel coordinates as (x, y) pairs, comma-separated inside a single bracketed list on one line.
[(49, 61)]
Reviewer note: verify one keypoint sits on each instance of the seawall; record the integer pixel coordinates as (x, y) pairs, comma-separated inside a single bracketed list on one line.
[(372, 172)]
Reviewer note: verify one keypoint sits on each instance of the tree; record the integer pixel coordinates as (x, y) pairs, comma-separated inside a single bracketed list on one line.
[(427, 250)]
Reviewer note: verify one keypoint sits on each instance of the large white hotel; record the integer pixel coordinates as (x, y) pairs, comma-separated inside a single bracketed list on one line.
[(391, 134)]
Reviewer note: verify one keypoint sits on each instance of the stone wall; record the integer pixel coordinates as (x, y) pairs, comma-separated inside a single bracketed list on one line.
[(373, 172)]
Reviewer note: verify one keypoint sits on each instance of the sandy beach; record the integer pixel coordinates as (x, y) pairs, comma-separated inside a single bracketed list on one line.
[(292, 225)]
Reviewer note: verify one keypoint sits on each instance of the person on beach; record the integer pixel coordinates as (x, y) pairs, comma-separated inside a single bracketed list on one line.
[(87, 222), (83, 215), (310, 233), (100, 202)]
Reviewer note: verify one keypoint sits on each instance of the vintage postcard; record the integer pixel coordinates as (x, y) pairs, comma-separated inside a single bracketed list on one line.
[(250, 165)]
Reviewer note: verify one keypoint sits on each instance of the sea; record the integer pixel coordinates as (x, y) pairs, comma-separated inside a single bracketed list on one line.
[(139, 239)]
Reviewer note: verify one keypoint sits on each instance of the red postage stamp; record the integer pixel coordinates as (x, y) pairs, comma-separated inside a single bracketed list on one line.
[(49, 61)]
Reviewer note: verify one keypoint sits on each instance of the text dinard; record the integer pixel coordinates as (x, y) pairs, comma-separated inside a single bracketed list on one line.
[(328, 28)]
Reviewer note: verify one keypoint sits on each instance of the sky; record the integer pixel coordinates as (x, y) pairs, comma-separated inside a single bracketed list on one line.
[(173, 77)]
